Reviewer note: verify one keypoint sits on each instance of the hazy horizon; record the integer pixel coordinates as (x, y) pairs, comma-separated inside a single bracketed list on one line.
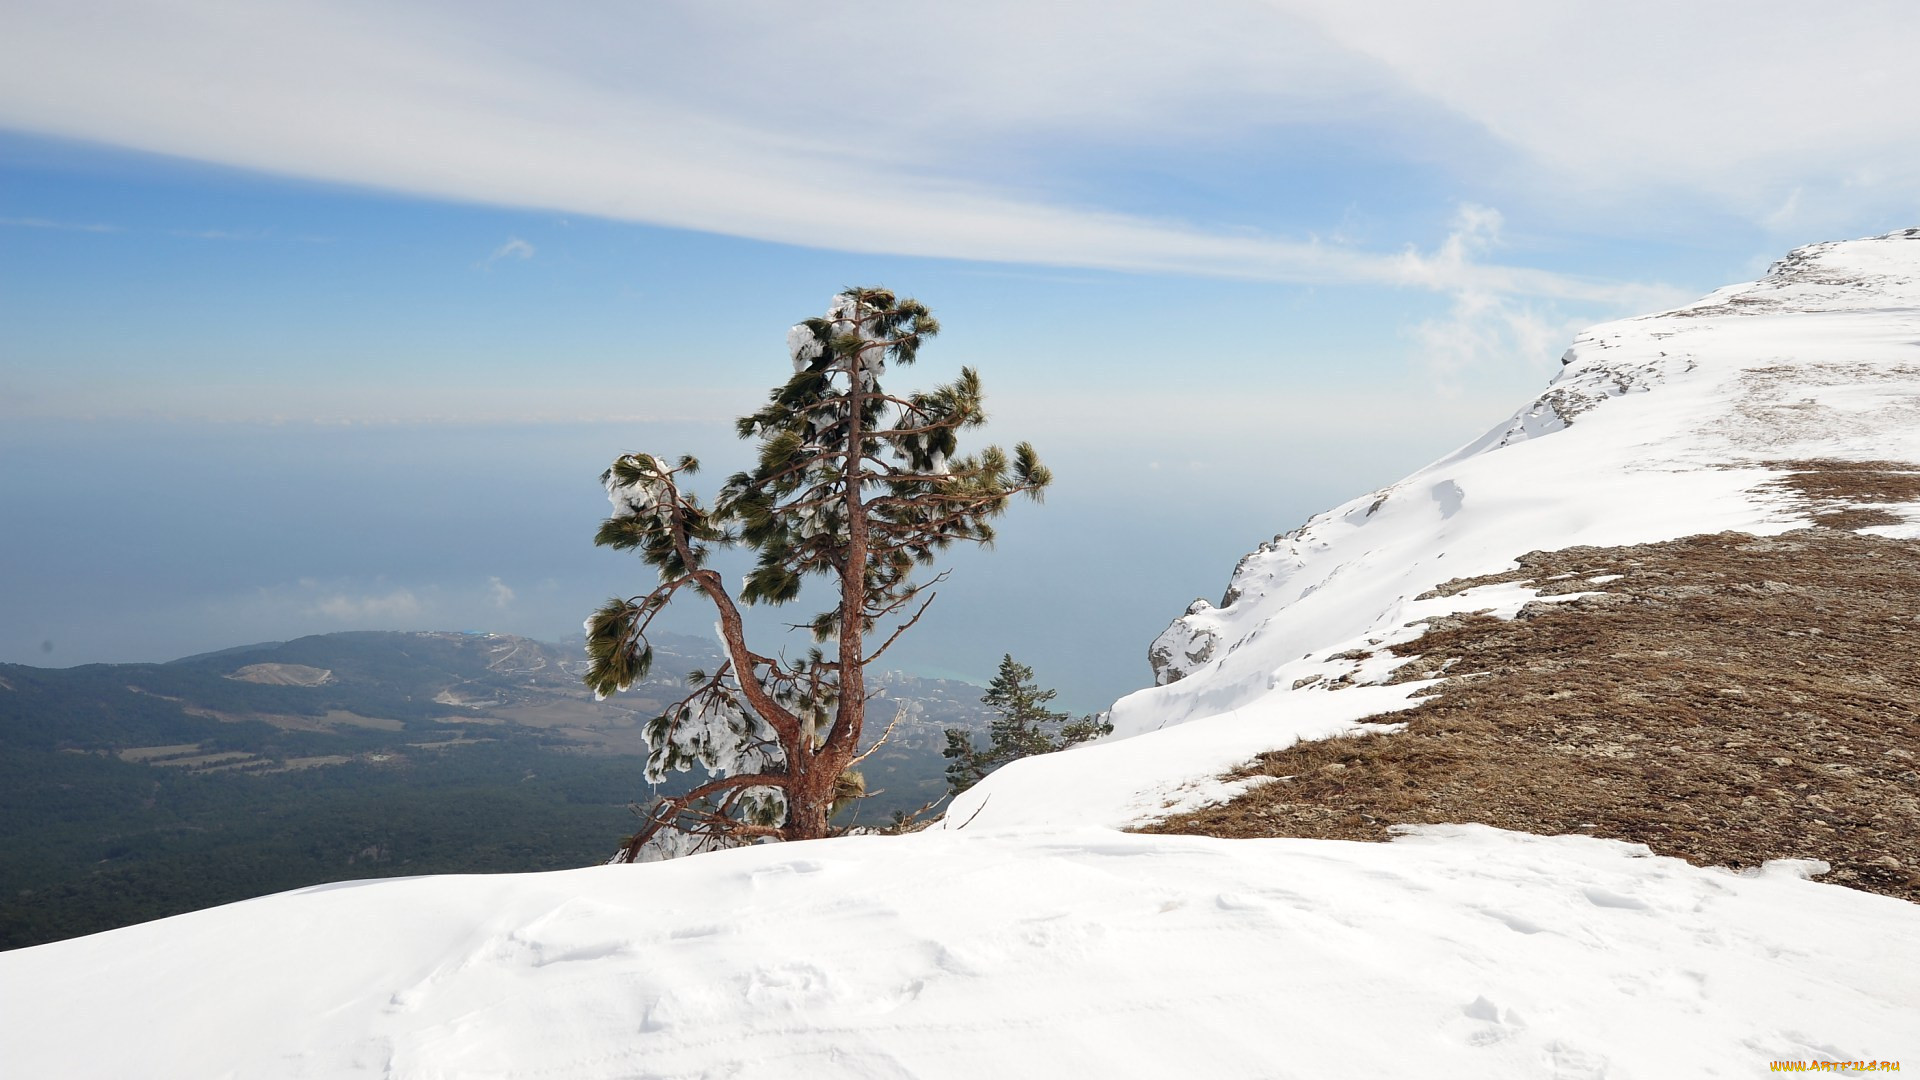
[(270, 532), (328, 317)]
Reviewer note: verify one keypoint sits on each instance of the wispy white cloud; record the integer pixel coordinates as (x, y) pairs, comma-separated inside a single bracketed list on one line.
[(1659, 105), (1797, 117), (312, 605), (183, 234), (730, 126), (514, 248), (380, 607), (217, 234), (63, 226), (499, 593), (1482, 328), (246, 235)]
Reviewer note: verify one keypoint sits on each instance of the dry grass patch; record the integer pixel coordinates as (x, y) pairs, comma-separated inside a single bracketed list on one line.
[(1727, 699), (153, 753), (283, 675), (213, 762), (295, 764), (1849, 494)]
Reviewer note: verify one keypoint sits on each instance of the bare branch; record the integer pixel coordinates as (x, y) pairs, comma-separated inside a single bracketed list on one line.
[(905, 626), (882, 740), (665, 812), (733, 632), (976, 812), (905, 821)]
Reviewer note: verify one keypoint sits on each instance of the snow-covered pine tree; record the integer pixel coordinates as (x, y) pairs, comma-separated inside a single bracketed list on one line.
[(852, 484), (1024, 727)]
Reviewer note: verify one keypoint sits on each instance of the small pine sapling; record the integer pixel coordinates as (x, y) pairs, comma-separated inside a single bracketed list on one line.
[(1024, 727)]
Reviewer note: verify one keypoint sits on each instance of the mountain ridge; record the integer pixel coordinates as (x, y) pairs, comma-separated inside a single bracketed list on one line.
[(1607, 364)]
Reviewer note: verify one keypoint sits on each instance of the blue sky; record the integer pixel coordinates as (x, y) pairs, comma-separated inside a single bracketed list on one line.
[(324, 316)]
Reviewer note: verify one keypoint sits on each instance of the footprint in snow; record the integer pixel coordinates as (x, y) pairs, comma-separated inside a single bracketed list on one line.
[(1600, 897), (1490, 1023)]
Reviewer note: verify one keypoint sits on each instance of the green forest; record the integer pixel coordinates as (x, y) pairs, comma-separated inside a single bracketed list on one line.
[(131, 792)]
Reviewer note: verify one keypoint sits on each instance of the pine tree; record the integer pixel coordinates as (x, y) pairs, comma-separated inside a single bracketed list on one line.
[(1024, 727), (852, 485)]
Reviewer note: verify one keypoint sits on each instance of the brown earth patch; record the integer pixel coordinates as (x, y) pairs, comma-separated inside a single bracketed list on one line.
[(340, 717), (283, 675), (453, 695), (152, 753), (587, 724), (448, 744), (329, 721), (1855, 518), (1727, 699), (294, 764), (212, 762), (1849, 494)]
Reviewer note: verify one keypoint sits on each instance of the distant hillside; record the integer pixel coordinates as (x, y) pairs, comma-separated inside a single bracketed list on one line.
[(133, 791)]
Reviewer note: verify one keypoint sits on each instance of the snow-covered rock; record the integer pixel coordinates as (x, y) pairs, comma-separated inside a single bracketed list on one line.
[(1026, 936)]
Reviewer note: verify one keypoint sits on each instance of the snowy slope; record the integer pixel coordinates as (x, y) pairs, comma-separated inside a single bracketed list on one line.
[(1656, 427), (1461, 953), (1027, 937)]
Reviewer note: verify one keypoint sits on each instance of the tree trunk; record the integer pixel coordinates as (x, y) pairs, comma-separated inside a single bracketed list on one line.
[(807, 807), (850, 714)]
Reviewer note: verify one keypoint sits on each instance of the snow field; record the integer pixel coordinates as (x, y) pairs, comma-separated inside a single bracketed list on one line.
[(1454, 952)]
